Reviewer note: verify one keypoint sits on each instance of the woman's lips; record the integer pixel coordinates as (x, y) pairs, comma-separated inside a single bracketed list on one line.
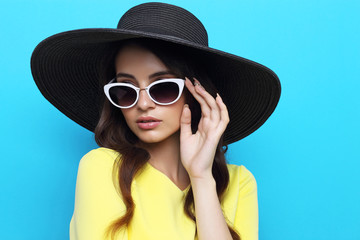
[(147, 123)]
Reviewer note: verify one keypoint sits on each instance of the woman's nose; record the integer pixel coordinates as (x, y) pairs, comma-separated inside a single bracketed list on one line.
[(144, 101)]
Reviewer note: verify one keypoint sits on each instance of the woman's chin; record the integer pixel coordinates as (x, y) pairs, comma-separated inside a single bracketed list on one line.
[(157, 138)]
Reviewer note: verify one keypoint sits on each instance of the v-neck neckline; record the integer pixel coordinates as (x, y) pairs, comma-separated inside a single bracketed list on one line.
[(167, 178)]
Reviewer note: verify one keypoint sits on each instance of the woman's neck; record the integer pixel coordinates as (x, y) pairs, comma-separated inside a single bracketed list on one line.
[(165, 156)]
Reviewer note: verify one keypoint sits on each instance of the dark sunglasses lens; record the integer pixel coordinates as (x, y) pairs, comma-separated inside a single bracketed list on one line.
[(165, 92), (122, 95)]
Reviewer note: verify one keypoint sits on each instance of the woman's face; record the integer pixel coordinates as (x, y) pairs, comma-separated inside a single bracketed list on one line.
[(150, 122)]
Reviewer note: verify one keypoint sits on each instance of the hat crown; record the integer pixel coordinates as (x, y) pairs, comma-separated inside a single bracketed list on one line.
[(164, 19)]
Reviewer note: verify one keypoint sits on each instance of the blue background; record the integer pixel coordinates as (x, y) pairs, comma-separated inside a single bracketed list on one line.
[(305, 157)]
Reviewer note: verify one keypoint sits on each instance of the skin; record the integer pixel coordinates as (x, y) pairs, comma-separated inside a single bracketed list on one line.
[(141, 65), (189, 157)]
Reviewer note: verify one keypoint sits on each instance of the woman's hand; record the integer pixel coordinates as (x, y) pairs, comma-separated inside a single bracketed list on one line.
[(198, 150)]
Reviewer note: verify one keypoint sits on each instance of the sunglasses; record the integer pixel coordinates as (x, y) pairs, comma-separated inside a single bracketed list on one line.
[(162, 92)]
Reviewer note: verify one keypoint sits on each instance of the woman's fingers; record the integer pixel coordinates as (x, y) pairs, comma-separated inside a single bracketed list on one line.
[(185, 122), (211, 102), (215, 117), (224, 115), (205, 110), (209, 108)]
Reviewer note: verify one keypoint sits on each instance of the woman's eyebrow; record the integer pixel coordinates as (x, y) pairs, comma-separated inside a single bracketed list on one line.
[(157, 74), (161, 73), (119, 75)]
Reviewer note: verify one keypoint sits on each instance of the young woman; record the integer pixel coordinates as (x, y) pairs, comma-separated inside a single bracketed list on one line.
[(158, 99)]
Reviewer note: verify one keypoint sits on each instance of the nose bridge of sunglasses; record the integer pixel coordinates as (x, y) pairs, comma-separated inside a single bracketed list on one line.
[(144, 95)]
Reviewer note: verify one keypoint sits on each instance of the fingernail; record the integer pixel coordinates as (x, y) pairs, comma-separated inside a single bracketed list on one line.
[(188, 79), (186, 106), (196, 82)]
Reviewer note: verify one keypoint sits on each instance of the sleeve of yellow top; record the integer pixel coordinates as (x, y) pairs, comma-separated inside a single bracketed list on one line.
[(96, 201), (247, 220)]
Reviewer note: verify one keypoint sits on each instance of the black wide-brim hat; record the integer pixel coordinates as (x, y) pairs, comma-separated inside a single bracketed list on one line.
[(66, 66)]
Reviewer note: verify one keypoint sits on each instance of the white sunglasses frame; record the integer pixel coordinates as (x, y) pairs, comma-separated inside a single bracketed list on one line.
[(180, 82)]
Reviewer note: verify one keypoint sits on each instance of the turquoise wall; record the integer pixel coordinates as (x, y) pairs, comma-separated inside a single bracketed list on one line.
[(305, 157)]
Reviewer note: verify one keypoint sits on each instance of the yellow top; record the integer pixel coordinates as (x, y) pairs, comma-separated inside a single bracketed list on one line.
[(159, 203)]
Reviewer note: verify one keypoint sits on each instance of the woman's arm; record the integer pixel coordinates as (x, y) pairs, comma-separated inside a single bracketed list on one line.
[(197, 155), (210, 221), (246, 220)]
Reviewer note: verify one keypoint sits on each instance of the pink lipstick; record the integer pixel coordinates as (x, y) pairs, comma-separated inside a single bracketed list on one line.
[(147, 123)]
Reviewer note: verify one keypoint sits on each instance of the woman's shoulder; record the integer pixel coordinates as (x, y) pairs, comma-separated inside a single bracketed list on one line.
[(240, 202), (97, 201), (239, 170), (101, 154), (241, 177), (98, 158)]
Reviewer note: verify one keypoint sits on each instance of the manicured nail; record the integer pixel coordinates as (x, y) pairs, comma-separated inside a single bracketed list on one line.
[(196, 82), (186, 106)]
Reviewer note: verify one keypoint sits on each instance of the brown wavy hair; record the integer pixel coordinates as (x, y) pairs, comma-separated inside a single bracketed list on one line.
[(112, 131)]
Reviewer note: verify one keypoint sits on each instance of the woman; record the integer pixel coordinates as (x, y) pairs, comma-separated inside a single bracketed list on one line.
[(160, 172)]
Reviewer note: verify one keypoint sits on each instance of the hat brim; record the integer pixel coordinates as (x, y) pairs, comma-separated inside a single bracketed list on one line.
[(65, 68)]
